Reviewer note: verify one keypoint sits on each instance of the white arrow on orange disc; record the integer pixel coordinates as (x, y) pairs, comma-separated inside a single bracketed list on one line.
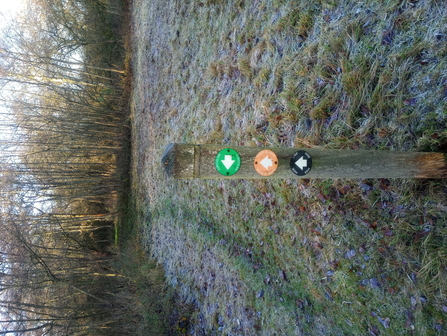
[(266, 162)]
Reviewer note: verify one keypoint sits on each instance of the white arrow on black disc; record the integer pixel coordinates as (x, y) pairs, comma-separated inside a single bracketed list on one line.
[(301, 162)]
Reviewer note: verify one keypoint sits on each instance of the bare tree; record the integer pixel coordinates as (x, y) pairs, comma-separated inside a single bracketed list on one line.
[(62, 131)]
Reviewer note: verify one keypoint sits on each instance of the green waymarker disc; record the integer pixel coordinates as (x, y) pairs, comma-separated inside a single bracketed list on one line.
[(227, 162)]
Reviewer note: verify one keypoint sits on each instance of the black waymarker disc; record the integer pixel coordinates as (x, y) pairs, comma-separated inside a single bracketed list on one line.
[(301, 163)]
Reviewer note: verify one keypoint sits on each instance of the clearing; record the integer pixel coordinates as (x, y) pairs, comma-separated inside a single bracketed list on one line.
[(294, 257)]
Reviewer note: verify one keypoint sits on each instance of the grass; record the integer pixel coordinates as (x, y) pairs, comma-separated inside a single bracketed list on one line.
[(311, 257), (148, 305)]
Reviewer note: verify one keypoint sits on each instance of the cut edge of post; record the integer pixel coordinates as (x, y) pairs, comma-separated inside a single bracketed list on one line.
[(179, 160), (432, 165), (167, 159)]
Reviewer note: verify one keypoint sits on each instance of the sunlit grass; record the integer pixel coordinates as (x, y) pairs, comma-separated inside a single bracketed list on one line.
[(295, 256)]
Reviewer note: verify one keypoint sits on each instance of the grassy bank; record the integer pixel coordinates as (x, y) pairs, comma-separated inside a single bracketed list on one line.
[(287, 257)]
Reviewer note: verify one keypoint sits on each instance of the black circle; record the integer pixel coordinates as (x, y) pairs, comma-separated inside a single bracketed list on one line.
[(301, 163)]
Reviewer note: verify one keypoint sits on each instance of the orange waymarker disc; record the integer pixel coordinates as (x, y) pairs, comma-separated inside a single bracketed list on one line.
[(266, 162)]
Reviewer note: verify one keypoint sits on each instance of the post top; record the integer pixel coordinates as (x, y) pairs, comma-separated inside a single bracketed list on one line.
[(168, 159)]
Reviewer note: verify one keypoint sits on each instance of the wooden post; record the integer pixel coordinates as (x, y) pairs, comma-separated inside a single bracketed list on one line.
[(185, 161)]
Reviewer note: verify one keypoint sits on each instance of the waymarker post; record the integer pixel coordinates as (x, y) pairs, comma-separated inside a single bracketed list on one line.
[(185, 161)]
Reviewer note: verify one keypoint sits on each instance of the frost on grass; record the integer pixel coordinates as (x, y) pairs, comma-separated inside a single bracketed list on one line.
[(302, 256)]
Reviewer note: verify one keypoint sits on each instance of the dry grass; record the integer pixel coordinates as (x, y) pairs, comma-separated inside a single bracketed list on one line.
[(295, 257)]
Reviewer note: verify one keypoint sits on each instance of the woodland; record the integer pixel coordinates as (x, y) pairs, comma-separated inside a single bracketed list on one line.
[(62, 117)]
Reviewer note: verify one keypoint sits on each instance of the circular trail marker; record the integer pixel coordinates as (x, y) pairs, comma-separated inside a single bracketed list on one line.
[(227, 162), (301, 163), (266, 162)]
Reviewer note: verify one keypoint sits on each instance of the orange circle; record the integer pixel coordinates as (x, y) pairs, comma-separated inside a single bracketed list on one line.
[(266, 162)]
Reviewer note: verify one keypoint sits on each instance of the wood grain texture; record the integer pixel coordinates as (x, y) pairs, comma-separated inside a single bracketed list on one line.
[(197, 161)]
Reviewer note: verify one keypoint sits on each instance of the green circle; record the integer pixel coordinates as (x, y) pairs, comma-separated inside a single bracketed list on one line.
[(227, 162)]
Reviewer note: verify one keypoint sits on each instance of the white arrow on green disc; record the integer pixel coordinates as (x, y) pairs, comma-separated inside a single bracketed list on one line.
[(227, 162)]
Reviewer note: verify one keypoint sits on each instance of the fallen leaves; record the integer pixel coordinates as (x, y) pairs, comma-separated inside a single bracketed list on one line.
[(387, 37), (366, 111), (418, 235), (387, 232), (322, 198), (393, 290), (410, 102), (374, 331), (409, 320), (283, 275), (384, 184), (374, 283), (385, 321), (317, 231), (267, 280), (350, 254), (366, 186), (301, 303)]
